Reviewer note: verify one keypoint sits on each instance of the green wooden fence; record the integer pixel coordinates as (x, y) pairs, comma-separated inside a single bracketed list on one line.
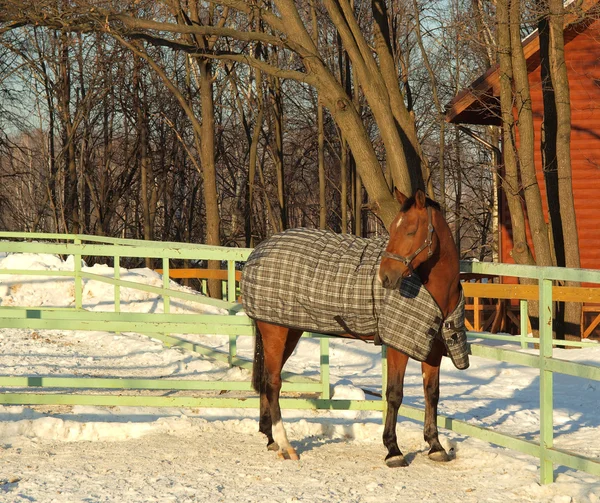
[(160, 326), (47, 390)]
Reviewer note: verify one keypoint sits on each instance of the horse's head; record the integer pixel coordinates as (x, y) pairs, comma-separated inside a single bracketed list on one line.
[(413, 240)]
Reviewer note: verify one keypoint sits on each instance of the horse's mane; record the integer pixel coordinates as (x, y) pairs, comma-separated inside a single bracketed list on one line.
[(411, 201)]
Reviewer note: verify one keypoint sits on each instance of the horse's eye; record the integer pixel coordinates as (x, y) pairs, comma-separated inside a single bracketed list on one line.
[(412, 233)]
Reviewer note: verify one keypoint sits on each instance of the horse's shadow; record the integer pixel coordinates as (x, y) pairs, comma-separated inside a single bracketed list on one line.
[(313, 443)]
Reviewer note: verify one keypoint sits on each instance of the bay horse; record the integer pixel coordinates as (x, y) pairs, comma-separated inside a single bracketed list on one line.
[(420, 243)]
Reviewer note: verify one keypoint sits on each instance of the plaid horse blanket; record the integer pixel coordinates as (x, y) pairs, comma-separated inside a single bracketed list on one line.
[(322, 282)]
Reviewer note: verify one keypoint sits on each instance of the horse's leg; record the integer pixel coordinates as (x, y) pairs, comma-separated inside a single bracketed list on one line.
[(293, 336), (278, 343), (431, 387), (259, 383), (396, 362), (264, 424)]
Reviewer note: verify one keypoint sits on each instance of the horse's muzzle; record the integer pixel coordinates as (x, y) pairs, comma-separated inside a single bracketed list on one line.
[(390, 279)]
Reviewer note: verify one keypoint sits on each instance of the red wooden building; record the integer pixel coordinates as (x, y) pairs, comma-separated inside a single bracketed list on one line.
[(480, 104)]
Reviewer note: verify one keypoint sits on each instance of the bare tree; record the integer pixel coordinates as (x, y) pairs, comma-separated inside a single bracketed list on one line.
[(334, 94), (375, 75), (556, 154)]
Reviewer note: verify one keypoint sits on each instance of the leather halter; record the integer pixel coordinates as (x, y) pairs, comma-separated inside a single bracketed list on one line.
[(407, 261)]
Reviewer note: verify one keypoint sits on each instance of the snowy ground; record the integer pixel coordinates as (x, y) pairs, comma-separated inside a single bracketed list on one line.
[(94, 454)]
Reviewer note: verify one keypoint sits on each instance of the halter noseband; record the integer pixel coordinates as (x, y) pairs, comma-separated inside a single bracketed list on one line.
[(407, 261)]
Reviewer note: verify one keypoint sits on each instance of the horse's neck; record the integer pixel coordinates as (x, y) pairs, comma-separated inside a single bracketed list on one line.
[(440, 274)]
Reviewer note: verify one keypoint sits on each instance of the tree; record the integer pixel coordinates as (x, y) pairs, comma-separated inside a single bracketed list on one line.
[(556, 153), (377, 76), (273, 66), (520, 174)]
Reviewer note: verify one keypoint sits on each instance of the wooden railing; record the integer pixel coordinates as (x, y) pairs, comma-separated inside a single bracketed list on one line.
[(200, 274), (204, 275), (475, 291), (479, 291)]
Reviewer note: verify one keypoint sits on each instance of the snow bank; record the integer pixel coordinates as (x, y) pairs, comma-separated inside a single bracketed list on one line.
[(26, 290)]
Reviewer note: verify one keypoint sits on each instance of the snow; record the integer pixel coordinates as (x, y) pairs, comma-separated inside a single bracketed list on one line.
[(135, 454)]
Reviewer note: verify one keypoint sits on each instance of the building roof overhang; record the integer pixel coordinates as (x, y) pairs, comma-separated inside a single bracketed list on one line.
[(479, 103)]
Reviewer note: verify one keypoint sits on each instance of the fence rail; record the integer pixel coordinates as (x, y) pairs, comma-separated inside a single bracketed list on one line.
[(508, 292), (162, 326)]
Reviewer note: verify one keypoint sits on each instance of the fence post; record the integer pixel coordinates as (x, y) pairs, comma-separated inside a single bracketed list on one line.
[(524, 315), (231, 298), (166, 284), (231, 280), (546, 392), (77, 272), (166, 279), (117, 276), (324, 345)]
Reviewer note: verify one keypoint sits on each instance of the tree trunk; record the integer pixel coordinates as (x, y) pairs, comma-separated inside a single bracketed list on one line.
[(49, 96), (405, 121), (407, 178), (71, 202), (253, 158), (344, 184), (531, 189), (277, 149), (322, 181), (144, 161), (520, 252), (458, 190), (358, 202), (320, 133), (562, 101), (209, 172), (204, 134), (439, 108), (347, 167)]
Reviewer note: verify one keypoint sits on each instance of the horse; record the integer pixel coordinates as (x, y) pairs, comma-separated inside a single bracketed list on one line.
[(420, 242)]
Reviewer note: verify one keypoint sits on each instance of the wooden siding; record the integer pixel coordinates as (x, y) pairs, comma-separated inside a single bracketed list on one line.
[(582, 54)]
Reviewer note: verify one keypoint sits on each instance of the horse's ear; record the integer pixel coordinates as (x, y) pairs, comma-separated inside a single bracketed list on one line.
[(420, 199), (400, 196)]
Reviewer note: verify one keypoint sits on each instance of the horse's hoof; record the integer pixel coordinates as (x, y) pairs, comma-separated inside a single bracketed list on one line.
[(293, 454), (396, 462), (273, 446), (289, 453), (439, 456)]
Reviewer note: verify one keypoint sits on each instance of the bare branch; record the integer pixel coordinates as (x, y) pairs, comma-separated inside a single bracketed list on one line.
[(213, 40), (266, 15), (194, 51), (11, 26), (261, 65), (167, 81), (216, 31), (104, 20)]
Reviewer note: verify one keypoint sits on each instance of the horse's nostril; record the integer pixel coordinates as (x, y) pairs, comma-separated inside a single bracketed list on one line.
[(384, 279), (388, 280)]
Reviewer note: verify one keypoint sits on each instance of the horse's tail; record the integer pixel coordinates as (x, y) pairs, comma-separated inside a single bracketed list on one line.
[(259, 375)]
